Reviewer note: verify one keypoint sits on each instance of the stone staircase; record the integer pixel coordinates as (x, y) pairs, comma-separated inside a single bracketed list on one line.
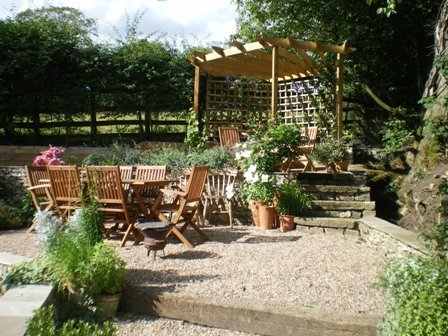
[(339, 200)]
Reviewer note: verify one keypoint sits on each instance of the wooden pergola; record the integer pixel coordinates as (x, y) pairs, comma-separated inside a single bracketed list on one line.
[(274, 59)]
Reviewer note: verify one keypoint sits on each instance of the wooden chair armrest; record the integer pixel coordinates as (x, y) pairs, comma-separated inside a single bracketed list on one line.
[(39, 186), (173, 192)]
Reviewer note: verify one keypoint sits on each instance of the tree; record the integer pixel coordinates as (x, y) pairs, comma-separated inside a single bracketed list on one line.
[(42, 62), (393, 54)]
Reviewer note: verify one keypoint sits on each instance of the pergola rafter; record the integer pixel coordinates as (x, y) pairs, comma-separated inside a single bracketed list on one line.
[(274, 59)]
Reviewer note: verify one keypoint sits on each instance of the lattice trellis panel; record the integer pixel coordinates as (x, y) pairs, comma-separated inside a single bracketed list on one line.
[(298, 101), (236, 103), (241, 103)]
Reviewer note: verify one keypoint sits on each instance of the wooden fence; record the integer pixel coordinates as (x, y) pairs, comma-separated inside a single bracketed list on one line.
[(96, 128)]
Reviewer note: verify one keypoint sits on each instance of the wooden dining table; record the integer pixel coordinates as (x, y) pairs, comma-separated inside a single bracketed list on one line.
[(136, 187)]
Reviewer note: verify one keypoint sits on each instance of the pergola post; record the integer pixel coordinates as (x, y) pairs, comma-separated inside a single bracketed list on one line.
[(274, 97), (197, 75), (339, 93)]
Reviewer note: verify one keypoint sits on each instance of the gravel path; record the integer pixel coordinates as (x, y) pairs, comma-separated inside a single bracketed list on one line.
[(328, 271)]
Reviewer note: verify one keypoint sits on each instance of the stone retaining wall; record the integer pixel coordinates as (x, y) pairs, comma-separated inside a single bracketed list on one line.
[(394, 240)]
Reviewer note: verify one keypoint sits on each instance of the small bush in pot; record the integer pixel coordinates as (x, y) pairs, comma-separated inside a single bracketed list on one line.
[(291, 198), (291, 201), (105, 273), (331, 152)]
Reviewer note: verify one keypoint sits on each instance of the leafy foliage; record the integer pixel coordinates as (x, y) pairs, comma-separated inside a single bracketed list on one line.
[(261, 190), (16, 207), (437, 129), (43, 323), (291, 199), (215, 157), (330, 151), (417, 287), (28, 272), (105, 272), (417, 292), (265, 151)]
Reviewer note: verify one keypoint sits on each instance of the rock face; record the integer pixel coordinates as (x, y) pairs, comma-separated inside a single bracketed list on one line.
[(418, 193)]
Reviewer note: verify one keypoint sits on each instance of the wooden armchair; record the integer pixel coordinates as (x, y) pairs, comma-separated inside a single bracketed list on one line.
[(218, 194), (184, 205), (105, 184), (39, 189), (150, 173), (304, 162), (126, 173), (229, 136), (66, 189)]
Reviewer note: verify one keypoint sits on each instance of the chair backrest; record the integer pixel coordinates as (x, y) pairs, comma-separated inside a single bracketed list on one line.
[(126, 173), (196, 182), (218, 183), (65, 186), (310, 135), (36, 175), (150, 173), (105, 184), (228, 136)]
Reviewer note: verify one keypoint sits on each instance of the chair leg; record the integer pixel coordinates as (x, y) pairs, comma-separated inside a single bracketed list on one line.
[(180, 236)]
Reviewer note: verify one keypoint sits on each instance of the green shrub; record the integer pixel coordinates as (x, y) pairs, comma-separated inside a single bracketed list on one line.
[(417, 296), (437, 129), (215, 158), (43, 323), (105, 272), (27, 272), (291, 198), (331, 151), (10, 217), (88, 222), (117, 154), (396, 135), (172, 157)]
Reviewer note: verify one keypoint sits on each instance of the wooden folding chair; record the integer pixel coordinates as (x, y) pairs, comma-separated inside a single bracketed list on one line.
[(126, 173), (105, 184), (66, 189), (304, 161), (184, 205), (150, 173), (228, 136), (218, 194), (39, 188)]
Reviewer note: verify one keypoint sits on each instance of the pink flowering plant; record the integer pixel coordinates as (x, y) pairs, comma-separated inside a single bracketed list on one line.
[(51, 156)]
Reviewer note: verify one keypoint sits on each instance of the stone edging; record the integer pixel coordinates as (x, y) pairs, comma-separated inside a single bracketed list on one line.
[(396, 240), (17, 305)]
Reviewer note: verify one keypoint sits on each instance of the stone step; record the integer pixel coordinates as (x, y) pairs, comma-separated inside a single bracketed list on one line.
[(342, 205), (335, 223), (322, 178), (340, 209), (338, 193)]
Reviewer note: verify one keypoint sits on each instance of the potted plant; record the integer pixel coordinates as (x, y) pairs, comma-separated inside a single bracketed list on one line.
[(259, 191), (103, 277), (291, 201), (333, 154)]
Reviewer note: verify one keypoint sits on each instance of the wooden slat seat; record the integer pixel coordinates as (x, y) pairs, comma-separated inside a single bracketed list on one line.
[(106, 185), (184, 205)]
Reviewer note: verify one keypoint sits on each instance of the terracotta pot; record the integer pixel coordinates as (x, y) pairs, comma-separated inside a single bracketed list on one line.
[(342, 165), (253, 206), (267, 216), (286, 223), (107, 305)]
